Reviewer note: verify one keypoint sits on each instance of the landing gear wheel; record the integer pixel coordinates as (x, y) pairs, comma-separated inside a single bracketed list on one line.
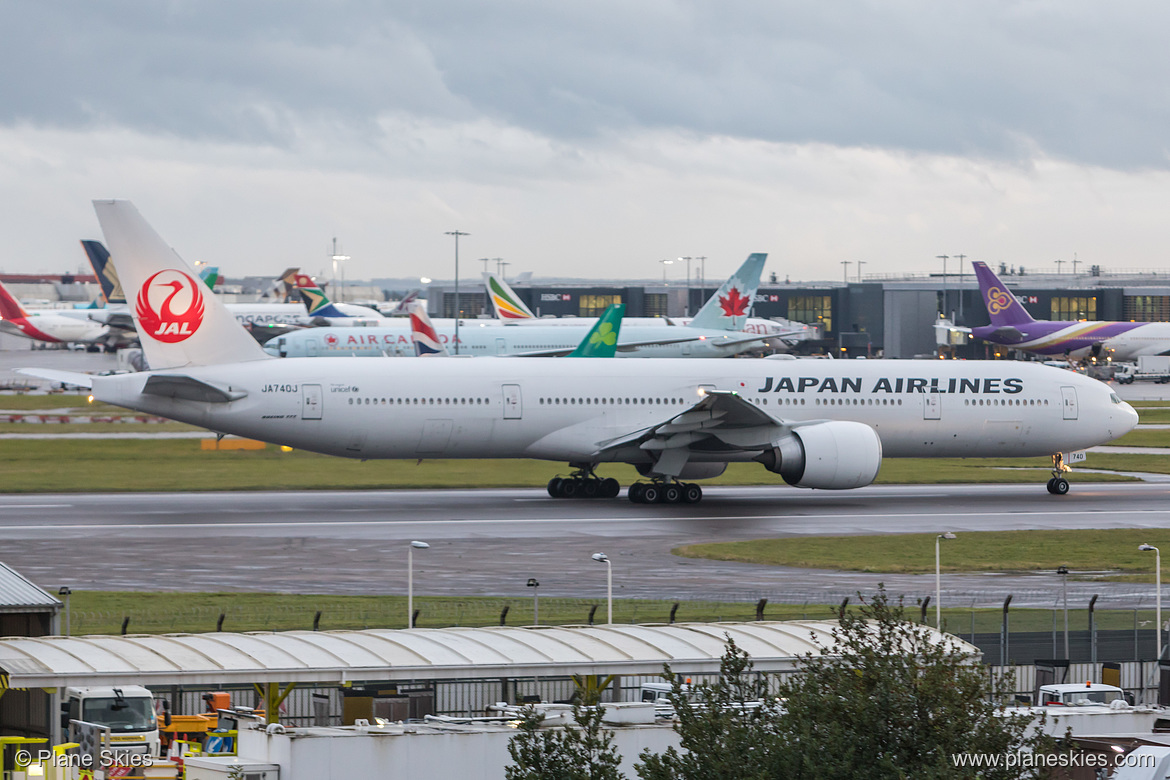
[(1058, 486), (570, 488), (635, 492), (610, 488), (692, 493), (590, 488), (671, 494), (651, 493), (554, 487)]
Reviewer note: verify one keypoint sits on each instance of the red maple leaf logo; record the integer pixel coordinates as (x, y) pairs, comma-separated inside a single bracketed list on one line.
[(734, 304)]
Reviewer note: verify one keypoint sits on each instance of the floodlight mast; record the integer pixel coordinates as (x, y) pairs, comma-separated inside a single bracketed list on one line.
[(410, 580)]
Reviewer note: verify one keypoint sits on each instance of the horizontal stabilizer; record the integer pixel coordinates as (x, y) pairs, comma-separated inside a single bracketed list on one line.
[(190, 389), (64, 377)]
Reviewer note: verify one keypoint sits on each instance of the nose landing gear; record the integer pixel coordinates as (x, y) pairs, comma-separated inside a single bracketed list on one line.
[(1058, 485)]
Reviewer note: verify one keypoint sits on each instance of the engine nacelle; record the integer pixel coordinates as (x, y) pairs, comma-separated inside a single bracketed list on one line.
[(834, 455), (689, 471)]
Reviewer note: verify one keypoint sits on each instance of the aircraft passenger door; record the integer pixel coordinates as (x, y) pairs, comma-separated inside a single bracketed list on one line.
[(311, 402), (311, 347), (501, 346), (512, 406), (1069, 397), (932, 406)]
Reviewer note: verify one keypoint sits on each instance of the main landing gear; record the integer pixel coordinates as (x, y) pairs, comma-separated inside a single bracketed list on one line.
[(663, 492), (1058, 485), (584, 485)]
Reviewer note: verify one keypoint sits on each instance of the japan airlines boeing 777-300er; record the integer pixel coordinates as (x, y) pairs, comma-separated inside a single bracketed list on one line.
[(815, 423), (1012, 326)]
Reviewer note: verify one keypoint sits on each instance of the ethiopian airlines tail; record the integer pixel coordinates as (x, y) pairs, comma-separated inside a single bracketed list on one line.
[(1002, 306), (422, 333), (504, 300), (180, 323), (731, 305)]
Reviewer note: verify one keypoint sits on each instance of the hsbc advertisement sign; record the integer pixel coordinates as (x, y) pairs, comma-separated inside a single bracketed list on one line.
[(555, 297)]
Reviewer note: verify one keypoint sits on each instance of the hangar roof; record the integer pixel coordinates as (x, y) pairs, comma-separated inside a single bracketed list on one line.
[(338, 657), (17, 594)]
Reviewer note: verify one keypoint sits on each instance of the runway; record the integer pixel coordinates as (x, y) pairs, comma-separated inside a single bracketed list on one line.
[(489, 542)]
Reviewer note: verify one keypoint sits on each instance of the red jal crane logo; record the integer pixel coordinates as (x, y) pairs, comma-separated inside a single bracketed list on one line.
[(170, 306)]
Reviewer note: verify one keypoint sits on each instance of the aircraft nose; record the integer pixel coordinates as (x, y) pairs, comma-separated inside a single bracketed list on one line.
[(1129, 417)]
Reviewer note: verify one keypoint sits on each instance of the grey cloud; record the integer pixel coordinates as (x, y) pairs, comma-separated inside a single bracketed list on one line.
[(997, 79)]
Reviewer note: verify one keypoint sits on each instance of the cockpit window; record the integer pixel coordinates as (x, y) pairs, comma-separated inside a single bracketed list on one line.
[(1115, 398)]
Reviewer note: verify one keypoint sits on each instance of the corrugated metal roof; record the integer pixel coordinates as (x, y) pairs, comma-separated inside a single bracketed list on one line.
[(336, 657), (17, 594)]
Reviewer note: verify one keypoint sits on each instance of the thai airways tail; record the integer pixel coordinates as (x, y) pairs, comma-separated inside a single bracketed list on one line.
[(1002, 306), (315, 299), (105, 272), (505, 301), (422, 333), (731, 305), (601, 340), (179, 322)]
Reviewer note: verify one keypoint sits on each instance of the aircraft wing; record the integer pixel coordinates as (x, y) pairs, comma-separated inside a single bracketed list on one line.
[(114, 319), (64, 377), (722, 421)]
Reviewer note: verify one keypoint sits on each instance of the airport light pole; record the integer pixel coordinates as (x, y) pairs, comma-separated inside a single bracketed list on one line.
[(702, 276), (938, 578), (338, 260), (1063, 572), (664, 264), (457, 233), (845, 273), (944, 258), (961, 259), (1157, 591), (603, 558), (532, 583), (410, 580), (687, 308), (859, 264)]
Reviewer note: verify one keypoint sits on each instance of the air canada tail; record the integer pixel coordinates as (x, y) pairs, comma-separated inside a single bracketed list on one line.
[(105, 272), (731, 305), (422, 333), (10, 308), (1002, 306), (179, 322), (601, 340), (505, 301)]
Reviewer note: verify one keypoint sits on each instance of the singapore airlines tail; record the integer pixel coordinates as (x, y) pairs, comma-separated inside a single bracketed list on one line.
[(1002, 306), (422, 333), (601, 340), (731, 305), (105, 272), (180, 323), (504, 300)]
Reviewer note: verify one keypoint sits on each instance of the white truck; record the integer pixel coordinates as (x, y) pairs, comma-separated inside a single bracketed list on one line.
[(1149, 368), (1078, 694), (128, 712)]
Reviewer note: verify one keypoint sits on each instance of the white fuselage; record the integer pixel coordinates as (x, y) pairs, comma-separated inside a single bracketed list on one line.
[(569, 409), (489, 337), (56, 326), (1150, 339)]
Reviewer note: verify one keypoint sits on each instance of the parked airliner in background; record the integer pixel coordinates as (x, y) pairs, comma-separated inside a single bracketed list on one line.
[(600, 342), (717, 337), (815, 423), (52, 326), (1012, 326), (735, 301)]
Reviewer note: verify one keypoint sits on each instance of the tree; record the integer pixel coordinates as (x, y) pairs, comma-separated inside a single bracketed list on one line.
[(583, 751), (885, 701)]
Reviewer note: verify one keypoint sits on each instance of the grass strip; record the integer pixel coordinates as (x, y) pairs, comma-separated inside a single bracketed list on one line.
[(103, 612), (1114, 550)]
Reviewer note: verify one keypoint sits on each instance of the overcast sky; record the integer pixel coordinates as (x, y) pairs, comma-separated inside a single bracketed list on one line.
[(590, 139)]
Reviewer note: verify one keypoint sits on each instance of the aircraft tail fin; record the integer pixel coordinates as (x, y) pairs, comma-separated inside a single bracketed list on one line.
[(422, 333), (404, 305), (1002, 306), (210, 276), (731, 305), (601, 340), (10, 308), (316, 301), (179, 322), (505, 301), (105, 272)]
